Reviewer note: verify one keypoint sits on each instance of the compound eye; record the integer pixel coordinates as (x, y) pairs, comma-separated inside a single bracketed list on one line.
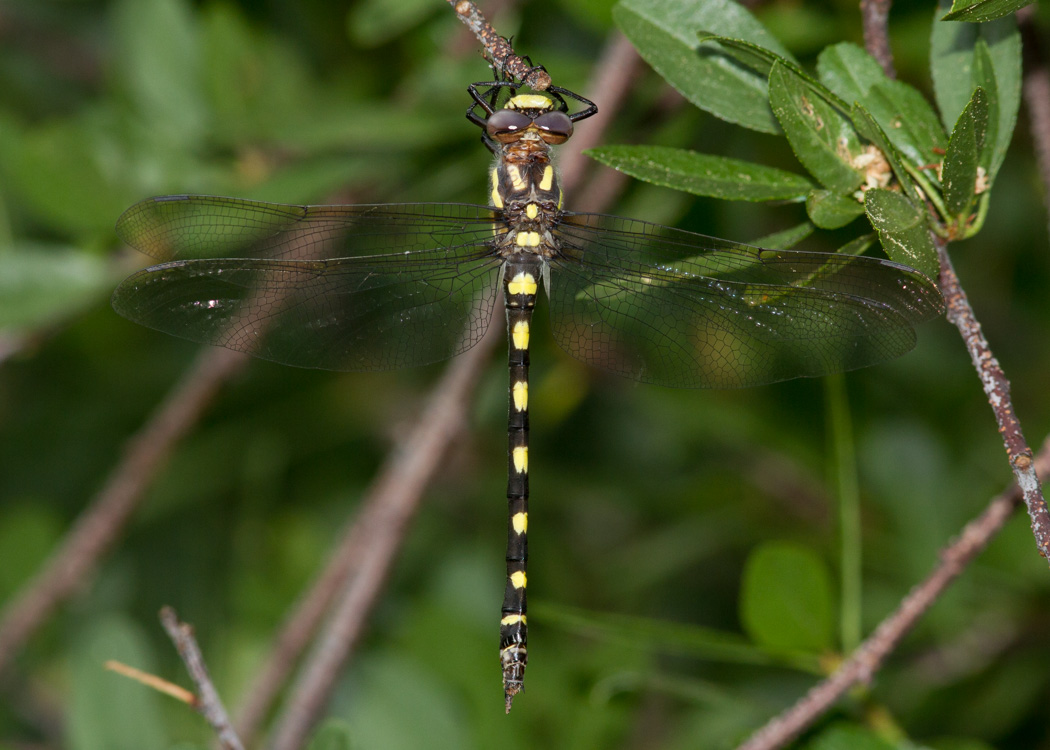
[(507, 125), (554, 126)]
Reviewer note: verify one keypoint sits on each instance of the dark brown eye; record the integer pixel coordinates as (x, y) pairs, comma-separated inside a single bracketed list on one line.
[(555, 126), (507, 125)]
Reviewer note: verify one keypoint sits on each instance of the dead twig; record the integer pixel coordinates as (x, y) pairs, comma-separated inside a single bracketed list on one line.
[(875, 15), (373, 542), (1036, 90), (997, 389), (869, 656), (207, 702), (498, 50)]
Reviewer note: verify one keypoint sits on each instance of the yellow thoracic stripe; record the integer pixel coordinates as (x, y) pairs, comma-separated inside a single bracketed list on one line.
[(516, 180), (520, 522), (521, 460), (520, 335), (513, 620), (548, 178), (528, 239), (497, 199), (520, 394), (517, 580), (532, 210)]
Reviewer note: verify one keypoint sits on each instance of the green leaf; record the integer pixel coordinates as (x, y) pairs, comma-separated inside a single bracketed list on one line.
[(984, 75), (980, 11), (39, 286), (830, 210), (665, 34), (108, 711), (956, 73), (821, 137), (703, 174), (674, 638), (333, 734), (959, 176), (753, 56), (158, 63), (903, 229), (786, 598), (905, 117), (844, 736), (849, 71), (786, 238)]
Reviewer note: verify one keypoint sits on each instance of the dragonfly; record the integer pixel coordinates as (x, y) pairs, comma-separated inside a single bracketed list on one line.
[(386, 286)]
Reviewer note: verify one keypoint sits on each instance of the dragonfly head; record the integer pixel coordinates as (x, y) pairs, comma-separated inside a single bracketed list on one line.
[(529, 115)]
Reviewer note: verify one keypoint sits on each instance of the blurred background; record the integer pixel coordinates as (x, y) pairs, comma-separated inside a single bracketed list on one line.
[(649, 505)]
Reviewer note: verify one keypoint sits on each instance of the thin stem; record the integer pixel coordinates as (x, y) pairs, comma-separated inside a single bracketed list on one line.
[(208, 704), (997, 389), (863, 663), (840, 428)]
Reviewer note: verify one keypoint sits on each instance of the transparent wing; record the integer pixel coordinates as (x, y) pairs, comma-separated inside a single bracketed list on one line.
[(667, 306), (372, 287)]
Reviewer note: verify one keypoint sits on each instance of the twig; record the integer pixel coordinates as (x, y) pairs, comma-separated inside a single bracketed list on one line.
[(997, 389), (498, 50), (159, 684), (104, 519), (207, 703), (876, 15), (1037, 96), (868, 658), (377, 535)]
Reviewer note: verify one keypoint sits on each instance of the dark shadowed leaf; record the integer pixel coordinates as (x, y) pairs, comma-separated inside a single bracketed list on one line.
[(962, 158), (956, 73), (786, 238), (703, 174), (850, 737)]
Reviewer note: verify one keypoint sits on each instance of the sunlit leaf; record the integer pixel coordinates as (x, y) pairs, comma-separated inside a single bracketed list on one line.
[(704, 174), (903, 229), (980, 11), (830, 210), (822, 138)]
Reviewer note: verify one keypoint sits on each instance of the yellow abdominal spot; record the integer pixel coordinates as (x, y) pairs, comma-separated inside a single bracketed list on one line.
[(520, 392), (520, 335), (517, 580), (532, 210), (522, 283), (521, 460), (513, 620), (548, 178), (516, 180), (520, 522)]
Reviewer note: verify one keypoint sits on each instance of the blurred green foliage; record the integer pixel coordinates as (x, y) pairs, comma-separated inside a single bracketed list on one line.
[(684, 545)]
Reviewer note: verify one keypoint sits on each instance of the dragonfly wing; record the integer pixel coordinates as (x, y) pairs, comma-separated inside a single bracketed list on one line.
[(183, 227), (297, 285), (671, 307)]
